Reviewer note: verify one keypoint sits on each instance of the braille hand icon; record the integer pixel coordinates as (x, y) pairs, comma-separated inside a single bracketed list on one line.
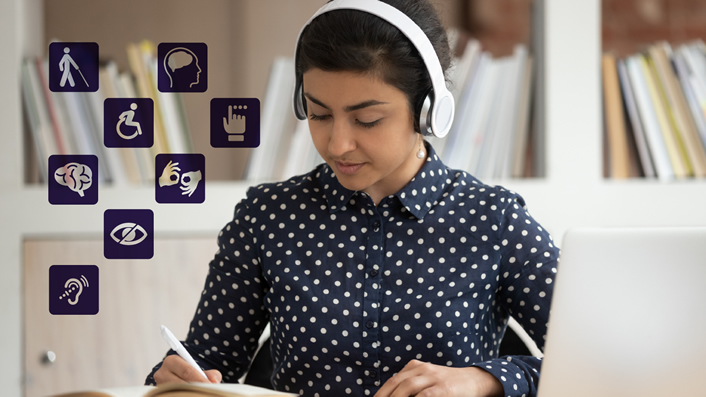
[(234, 124), (169, 171)]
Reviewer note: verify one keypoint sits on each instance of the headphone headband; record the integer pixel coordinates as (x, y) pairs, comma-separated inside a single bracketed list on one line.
[(441, 103)]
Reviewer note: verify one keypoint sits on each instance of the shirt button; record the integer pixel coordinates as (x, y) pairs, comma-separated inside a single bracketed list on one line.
[(373, 374), (373, 272), (370, 324), (376, 226)]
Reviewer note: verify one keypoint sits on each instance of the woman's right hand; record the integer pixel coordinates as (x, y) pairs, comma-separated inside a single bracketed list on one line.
[(176, 370)]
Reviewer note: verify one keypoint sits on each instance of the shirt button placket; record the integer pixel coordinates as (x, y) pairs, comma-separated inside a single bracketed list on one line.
[(372, 301)]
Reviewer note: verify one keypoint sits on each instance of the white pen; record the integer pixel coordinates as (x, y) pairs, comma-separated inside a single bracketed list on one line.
[(174, 343)]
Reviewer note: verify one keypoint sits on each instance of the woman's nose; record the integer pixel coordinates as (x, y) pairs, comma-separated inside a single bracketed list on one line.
[(342, 138)]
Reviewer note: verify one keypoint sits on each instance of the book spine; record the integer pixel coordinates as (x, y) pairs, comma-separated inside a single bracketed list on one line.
[(522, 129), (276, 117), (513, 101), (694, 108), (638, 132), (693, 150), (615, 122), (51, 109), (46, 136), (646, 110), (665, 116), (32, 113)]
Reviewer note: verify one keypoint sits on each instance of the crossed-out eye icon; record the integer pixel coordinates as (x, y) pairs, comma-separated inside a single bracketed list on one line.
[(128, 234), (131, 234)]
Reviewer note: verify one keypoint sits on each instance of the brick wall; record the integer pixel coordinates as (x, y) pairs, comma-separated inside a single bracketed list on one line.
[(498, 24), (628, 25)]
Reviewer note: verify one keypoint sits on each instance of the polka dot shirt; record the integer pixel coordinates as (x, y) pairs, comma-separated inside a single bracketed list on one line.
[(354, 291)]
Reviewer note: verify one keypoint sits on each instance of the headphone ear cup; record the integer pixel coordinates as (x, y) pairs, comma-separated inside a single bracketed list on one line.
[(303, 101), (299, 102), (425, 111)]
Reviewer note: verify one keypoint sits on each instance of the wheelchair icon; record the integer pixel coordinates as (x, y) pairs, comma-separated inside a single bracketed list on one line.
[(126, 117)]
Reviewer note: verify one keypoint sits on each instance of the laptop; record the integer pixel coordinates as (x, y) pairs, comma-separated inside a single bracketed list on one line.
[(628, 315)]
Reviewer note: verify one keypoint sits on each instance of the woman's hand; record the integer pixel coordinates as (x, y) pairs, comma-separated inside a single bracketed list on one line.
[(175, 369), (422, 379)]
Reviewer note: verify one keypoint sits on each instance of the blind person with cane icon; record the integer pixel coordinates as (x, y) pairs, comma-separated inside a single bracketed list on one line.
[(65, 66), (81, 56)]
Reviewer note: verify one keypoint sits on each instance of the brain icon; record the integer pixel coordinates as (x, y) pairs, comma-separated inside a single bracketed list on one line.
[(75, 176), (179, 59)]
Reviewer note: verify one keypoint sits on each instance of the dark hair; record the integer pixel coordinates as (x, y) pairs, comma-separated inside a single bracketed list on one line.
[(357, 41)]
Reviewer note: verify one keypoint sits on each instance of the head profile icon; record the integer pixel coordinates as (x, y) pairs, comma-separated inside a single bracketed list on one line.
[(182, 67)]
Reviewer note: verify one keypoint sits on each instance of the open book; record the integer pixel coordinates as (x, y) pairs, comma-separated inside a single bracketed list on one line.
[(182, 390)]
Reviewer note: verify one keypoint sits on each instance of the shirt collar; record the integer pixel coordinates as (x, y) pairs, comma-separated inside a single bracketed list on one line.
[(419, 195), (334, 193), (424, 190)]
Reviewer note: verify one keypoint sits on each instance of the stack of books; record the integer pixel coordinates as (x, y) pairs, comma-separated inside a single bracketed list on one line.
[(490, 137), (72, 122), (655, 113)]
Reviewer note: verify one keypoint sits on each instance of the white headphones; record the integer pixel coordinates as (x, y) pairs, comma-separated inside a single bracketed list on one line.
[(437, 113)]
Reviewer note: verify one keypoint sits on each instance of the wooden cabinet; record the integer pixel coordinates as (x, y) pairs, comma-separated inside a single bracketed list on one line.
[(119, 345)]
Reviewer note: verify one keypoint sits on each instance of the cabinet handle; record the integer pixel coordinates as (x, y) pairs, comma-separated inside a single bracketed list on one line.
[(48, 358)]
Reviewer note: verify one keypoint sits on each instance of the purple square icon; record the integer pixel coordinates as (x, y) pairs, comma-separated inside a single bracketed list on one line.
[(73, 289), (128, 122), (73, 67), (128, 234), (73, 179), (235, 122), (182, 67), (180, 178)]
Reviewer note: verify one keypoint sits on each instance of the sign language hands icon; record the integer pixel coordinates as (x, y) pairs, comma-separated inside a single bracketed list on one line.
[(169, 171), (180, 178), (234, 125), (190, 181)]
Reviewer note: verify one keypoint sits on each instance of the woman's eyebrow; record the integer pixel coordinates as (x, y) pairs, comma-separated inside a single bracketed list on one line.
[(364, 104)]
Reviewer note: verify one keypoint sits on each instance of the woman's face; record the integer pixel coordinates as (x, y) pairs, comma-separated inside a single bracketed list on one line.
[(363, 129)]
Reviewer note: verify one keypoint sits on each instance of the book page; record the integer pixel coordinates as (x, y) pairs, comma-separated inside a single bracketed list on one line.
[(133, 391), (215, 389)]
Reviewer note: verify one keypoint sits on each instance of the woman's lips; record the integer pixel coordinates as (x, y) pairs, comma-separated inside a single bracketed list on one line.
[(348, 168)]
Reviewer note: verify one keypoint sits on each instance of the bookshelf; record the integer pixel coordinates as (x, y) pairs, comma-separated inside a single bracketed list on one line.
[(573, 193), (656, 48)]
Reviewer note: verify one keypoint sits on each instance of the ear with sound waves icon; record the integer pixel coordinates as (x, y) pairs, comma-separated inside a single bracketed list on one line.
[(71, 285)]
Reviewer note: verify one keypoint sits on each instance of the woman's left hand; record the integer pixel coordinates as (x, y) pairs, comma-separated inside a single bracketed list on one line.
[(422, 379)]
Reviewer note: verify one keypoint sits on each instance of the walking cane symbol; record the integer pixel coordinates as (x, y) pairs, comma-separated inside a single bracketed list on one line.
[(84, 79)]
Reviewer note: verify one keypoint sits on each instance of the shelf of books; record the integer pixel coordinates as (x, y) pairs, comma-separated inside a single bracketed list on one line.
[(654, 92), (498, 133), (491, 137), (72, 122)]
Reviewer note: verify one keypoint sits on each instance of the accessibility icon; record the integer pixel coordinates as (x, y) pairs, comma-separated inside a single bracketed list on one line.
[(73, 179), (235, 122), (128, 122), (73, 289), (180, 178), (73, 67), (128, 234), (182, 67)]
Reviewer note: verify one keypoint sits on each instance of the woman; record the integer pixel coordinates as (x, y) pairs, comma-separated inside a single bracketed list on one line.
[(382, 261)]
